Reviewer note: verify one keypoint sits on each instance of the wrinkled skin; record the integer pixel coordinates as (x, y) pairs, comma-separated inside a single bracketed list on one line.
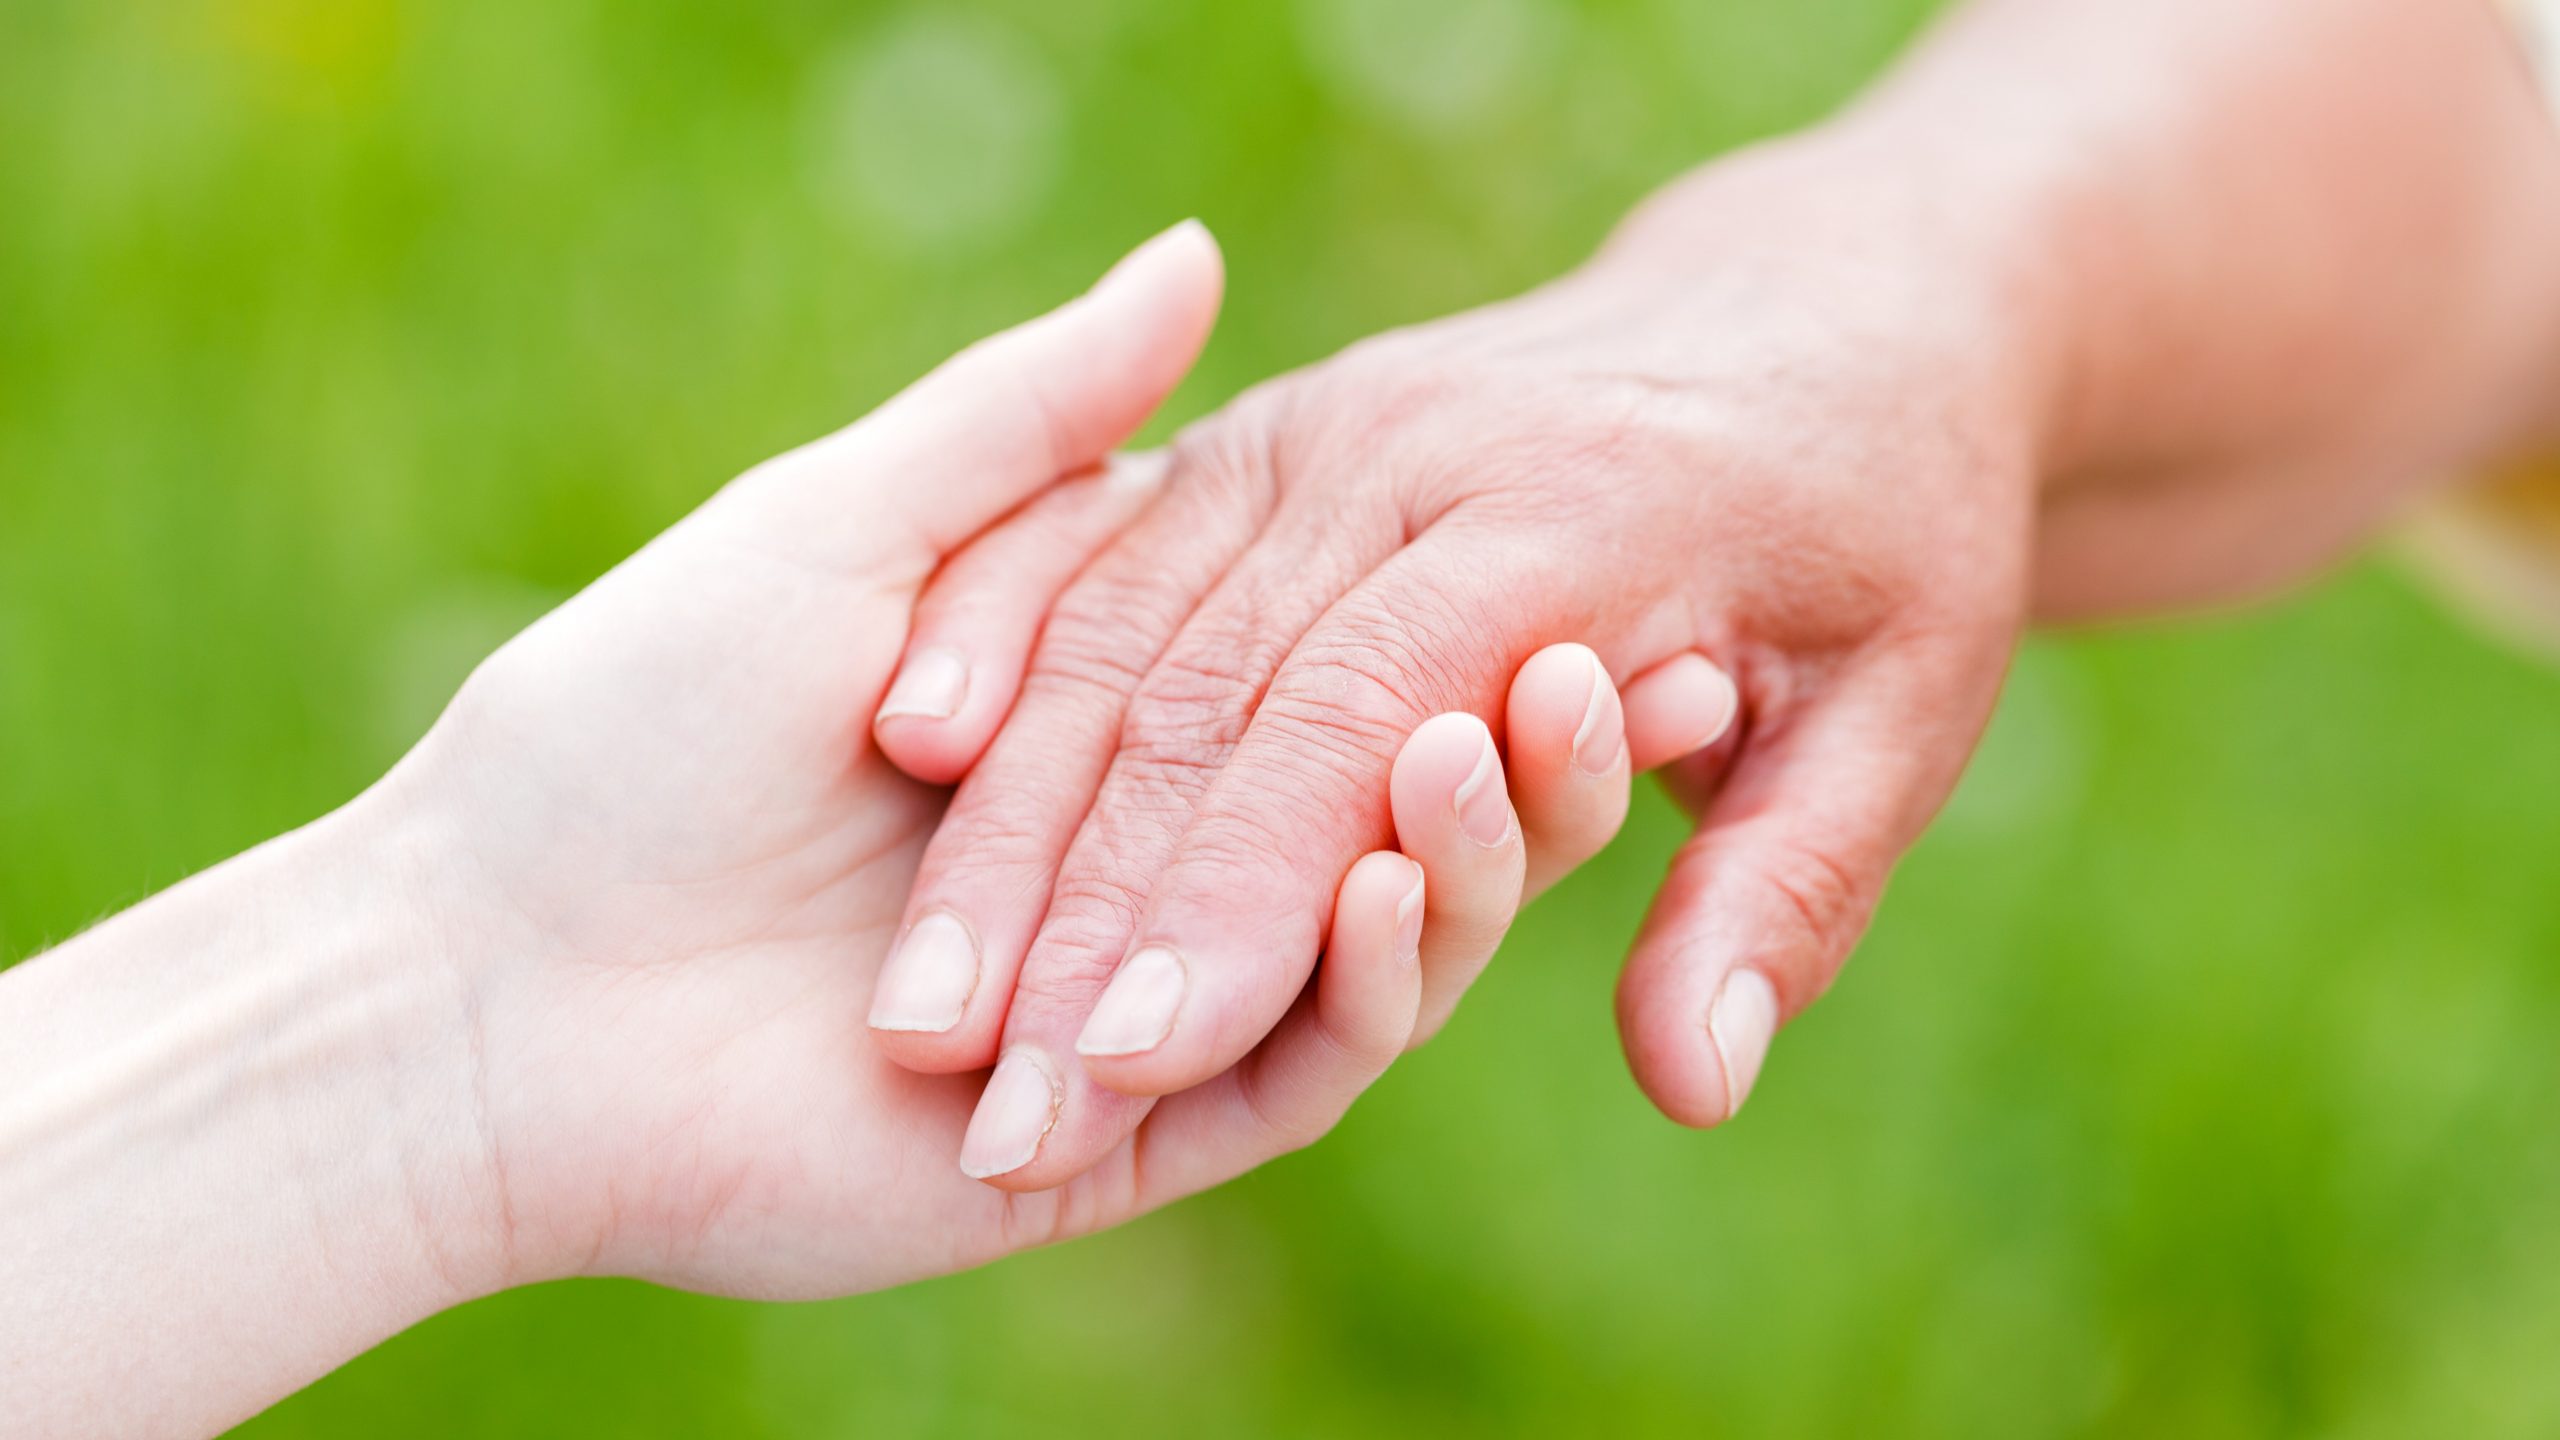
[(1648, 461), (664, 858)]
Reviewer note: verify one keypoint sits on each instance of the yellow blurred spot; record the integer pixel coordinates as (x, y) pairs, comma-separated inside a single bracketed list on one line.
[(312, 52)]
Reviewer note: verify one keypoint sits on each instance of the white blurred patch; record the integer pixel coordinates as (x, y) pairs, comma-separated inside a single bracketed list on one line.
[(2032, 768), (433, 646), (1435, 67), (941, 129)]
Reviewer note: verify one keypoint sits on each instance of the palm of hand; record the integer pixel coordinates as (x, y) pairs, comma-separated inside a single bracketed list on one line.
[(703, 899), (685, 857)]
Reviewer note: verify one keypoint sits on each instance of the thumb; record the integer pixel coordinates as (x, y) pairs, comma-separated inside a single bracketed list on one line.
[(998, 422), (1762, 907)]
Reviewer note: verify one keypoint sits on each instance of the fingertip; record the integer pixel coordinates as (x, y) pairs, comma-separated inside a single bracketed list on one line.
[(1177, 279), (1369, 989), (930, 1053), (1453, 812), (1700, 999), (924, 723), (1190, 249), (916, 747), (1014, 1115), (1678, 707), (1670, 1052), (1448, 777), (1563, 709), (978, 618), (1378, 913), (937, 750), (939, 1000), (1741, 1021), (1298, 1082), (1698, 1065), (1566, 739)]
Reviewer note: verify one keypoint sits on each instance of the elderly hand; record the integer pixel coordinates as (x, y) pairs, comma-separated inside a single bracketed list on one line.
[(1805, 464)]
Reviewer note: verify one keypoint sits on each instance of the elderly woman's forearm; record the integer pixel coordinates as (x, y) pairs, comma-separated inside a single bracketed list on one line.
[(2224, 236)]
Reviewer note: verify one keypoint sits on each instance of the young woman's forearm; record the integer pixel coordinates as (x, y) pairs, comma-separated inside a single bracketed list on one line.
[(237, 1143)]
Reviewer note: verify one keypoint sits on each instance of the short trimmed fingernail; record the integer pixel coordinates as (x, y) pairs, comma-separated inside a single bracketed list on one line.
[(929, 977), (932, 684), (1409, 922), (1739, 1025), (1597, 744), (1484, 812), (1014, 1115), (1138, 1007), (1718, 703)]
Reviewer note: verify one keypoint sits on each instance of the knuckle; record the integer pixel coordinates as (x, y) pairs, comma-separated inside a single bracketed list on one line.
[(1378, 669), (1095, 641), (1344, 708), (1000, 840), (994, 863), (1081, 944), (1193, 705), (1091, 912), (1065, 974), (1830, 897), (1156, 789), (1236, 857)]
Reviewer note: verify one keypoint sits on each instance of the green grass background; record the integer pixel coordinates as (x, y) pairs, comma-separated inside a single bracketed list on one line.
[(2198, 1078)]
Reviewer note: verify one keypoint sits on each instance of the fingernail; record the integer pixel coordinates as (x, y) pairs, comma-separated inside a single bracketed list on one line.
[(1409, 922), (1717, 704), (1014, 1115), (1596, 753), (1739, 1024), (1137, 1009), (1484, 812), (929, 977), (932, 684)]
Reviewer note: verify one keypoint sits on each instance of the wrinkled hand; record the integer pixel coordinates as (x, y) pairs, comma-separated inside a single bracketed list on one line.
[(1765, 452)]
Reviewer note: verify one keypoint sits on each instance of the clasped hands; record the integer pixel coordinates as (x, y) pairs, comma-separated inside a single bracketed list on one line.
[(1331, 678), (1168, 754)]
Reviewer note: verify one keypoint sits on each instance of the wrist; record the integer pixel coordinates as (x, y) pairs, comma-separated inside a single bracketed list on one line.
[(238, 1137), (418, 1186), (1940, 275)]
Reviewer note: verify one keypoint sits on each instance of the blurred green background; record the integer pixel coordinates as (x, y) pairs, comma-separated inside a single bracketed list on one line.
[(2199, 1076)]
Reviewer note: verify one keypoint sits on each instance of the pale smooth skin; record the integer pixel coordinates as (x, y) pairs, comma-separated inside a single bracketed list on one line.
[(577, 988), (2091, 306)]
